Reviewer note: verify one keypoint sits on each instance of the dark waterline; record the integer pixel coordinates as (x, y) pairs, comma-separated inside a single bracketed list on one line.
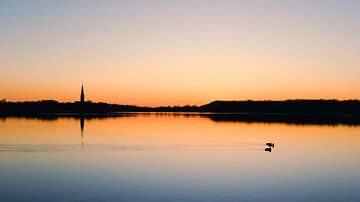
[(299, 119)]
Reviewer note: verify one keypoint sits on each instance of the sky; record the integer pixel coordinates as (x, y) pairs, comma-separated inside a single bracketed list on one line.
[(179, 52)]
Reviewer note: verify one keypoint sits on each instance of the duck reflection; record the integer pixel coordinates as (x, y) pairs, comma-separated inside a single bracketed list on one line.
[(268, 149)]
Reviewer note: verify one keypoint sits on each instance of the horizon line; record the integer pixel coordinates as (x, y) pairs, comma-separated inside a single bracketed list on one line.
[(192, 105)]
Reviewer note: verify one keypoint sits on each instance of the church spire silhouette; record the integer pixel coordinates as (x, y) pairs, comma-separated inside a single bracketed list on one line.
[(82, 94)]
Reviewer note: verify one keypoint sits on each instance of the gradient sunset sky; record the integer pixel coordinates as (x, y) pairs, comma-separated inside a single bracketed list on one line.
[(177, 52)]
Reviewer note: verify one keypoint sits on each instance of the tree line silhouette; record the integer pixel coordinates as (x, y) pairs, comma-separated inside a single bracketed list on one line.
[(319, 112), (351, 107), (286, 107)]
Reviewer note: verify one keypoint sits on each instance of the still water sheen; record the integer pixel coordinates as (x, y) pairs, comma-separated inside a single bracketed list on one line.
[(174, 157)]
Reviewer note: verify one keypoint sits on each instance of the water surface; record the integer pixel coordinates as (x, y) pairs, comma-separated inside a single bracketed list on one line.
[(168, 157)]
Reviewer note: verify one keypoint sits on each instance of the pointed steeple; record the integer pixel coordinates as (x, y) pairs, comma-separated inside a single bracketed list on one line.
[(82, 94)]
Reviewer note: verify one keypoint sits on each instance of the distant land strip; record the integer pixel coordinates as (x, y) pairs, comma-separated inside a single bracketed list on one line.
[(350, 107), (319, 112)]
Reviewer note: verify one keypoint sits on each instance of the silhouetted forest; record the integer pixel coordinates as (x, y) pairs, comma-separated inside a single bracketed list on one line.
[(52, 106), (350, 107), (319, 112), (287, 107)]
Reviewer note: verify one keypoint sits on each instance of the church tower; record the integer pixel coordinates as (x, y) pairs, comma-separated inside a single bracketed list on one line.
[(82, 94)]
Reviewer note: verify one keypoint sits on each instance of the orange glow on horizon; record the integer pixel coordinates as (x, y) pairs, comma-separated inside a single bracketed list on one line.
[(169, 99), (186, 54)]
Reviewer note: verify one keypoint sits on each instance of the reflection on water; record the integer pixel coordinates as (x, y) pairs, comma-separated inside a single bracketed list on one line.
[(82, 125), (168, 157), (296, 119)]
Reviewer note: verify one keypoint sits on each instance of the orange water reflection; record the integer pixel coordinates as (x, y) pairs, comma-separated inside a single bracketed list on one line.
[(171, 131), (151, 151)]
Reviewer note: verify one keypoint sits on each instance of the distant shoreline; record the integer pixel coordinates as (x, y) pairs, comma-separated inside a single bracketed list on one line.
[(262, 107), (319, 112)]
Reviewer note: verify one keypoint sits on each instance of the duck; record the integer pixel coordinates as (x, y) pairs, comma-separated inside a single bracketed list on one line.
[(269, 144)]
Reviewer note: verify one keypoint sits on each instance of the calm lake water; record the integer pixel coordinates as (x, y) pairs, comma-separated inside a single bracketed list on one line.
[(168, 157)]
